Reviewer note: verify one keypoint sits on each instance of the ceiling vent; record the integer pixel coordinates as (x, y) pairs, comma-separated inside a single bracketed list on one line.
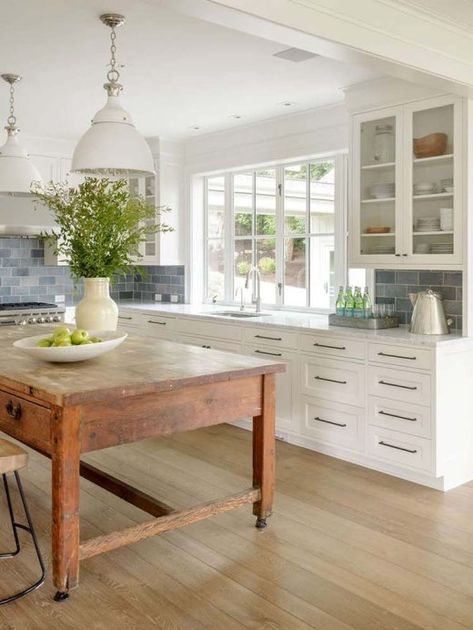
[(295, 54)]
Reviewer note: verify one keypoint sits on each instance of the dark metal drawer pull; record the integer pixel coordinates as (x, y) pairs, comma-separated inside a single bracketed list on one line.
[(150, 321), (330, 380), (337, 424), (123, 317), (396, 385), (398, 448), (14, 411), (270, 338), (321, 345), (273, 354), (396, 356), (393, 415)]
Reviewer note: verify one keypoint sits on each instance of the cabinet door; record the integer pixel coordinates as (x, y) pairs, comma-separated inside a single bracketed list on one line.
[(376, 203), (146, 187), (433, 201), (285, 398)]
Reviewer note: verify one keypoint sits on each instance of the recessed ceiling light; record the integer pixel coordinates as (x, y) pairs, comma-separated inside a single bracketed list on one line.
[(195, 127), (287, 103), (295, 55), (237, 116)]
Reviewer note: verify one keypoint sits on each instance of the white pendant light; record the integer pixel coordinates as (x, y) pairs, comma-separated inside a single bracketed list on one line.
[(112, 146), (17, 172)]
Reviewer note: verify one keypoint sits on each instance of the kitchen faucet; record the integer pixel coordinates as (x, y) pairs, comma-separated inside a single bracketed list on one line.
[(240, 290), (256, 287)]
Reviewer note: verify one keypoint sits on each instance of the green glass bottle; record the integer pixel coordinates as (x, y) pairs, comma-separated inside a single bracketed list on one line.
[(367, 304), (340, 303), (358, 307), (349, 303)]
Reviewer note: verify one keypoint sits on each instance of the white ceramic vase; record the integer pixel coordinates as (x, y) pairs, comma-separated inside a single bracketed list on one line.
[(97, 310)]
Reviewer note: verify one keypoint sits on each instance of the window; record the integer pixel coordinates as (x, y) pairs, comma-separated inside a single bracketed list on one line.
[(286, 220)]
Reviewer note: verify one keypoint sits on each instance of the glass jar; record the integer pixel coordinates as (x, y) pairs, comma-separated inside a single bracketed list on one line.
[(383, 144)]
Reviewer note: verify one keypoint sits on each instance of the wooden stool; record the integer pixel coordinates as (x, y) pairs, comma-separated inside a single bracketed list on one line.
[(12, 458)]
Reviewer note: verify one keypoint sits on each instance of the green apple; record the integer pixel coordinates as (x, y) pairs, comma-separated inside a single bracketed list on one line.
[(96, 339), (44, 343), (62, 342), (79, 336), (60, 332)]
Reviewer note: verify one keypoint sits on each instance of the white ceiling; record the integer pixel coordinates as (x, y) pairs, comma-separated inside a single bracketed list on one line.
[(179, 71)]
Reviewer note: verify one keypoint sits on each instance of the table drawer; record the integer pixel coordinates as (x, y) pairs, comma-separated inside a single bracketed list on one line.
[(339, 347), (333, 423), (403, 385), (397, 415), (189, 326), (408, 451), (402, 356), (25, 420), (270, 337), (334, 380)]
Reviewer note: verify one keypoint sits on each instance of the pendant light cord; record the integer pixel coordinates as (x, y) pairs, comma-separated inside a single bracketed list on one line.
[(113, 75), (11, 120)]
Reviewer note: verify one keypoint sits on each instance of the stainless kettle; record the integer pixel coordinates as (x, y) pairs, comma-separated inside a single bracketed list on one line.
[(428, 317)]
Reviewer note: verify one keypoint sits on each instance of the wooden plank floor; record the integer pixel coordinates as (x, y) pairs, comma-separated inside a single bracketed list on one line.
[(347, 547)]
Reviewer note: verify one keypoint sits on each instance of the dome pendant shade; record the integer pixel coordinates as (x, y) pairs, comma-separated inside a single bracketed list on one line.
[(112, 146), (17, 172)]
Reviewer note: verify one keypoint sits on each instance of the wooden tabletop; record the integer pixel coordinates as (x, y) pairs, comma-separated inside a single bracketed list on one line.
[(140, 365)]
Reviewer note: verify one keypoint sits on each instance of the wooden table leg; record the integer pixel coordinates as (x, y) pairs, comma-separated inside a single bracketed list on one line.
[(65, 433), (264, 452)]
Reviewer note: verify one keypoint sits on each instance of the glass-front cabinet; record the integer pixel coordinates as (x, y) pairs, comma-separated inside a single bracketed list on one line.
[(146, 187), (406, 183)]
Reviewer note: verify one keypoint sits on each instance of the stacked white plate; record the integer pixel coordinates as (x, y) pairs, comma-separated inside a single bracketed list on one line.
[(428, 224), (442, 248), (382, 191), (425, 188), (446, 219), (382, 249)]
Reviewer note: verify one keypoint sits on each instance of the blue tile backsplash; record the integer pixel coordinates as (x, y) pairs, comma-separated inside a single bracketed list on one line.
[(24, 277)]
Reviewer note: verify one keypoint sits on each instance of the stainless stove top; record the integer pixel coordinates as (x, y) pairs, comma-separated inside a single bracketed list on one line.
[(28, 313)]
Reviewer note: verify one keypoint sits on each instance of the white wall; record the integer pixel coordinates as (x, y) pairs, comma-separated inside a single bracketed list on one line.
[(278, 139)]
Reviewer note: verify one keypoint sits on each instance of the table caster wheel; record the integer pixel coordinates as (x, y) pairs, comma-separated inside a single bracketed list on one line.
[(61, 596), (261, 523)]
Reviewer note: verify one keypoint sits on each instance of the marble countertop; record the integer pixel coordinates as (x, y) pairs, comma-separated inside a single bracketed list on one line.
[(298, 321)]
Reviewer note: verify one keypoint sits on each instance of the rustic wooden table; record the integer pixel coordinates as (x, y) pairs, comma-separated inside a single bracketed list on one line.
[(145, 388)]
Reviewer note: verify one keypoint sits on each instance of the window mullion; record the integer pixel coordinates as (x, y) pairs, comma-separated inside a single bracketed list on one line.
[(228, 237), (280, 249)]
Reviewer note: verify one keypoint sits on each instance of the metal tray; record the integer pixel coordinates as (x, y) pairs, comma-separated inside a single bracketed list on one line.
[(390, 321)]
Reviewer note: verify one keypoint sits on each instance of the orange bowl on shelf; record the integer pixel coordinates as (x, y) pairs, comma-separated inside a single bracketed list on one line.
[(378, 229), (431, 145)]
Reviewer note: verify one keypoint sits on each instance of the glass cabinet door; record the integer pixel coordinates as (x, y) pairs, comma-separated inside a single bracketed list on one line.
[(433, 182), (376, 226)]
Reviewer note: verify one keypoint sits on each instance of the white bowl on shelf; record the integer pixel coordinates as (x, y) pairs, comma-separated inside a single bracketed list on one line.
[(71, 354)]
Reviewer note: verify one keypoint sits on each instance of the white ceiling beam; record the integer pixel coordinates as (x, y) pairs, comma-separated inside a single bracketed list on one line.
[(384, 35)]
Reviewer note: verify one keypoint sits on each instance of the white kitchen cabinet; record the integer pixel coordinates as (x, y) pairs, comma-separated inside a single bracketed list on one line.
[(147, 187), (209, 344), (383, 187)]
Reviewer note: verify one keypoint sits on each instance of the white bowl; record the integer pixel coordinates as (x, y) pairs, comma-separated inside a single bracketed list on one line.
[(70, 354)]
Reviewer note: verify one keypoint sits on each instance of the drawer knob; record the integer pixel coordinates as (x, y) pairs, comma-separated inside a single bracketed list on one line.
[(396, 356), (321, 345), (399, 448), (337, 424), (329, 380), (397, 385), (14, 411), (395, 415)]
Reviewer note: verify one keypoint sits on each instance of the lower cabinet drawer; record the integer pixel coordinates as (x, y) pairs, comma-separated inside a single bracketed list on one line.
[(209, 344), (408, 451), (333, 423), (25, 420), (339, 347), (402, 356), (399, 416), (334, 380), (398, 384), (203, 328), (158, 325)]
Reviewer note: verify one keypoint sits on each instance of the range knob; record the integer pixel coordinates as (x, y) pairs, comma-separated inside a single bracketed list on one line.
[(40, 320), (32, 320), (47, 320), (56, 318)]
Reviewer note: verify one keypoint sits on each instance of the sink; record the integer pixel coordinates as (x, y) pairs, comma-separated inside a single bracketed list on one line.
[(238, 314)]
